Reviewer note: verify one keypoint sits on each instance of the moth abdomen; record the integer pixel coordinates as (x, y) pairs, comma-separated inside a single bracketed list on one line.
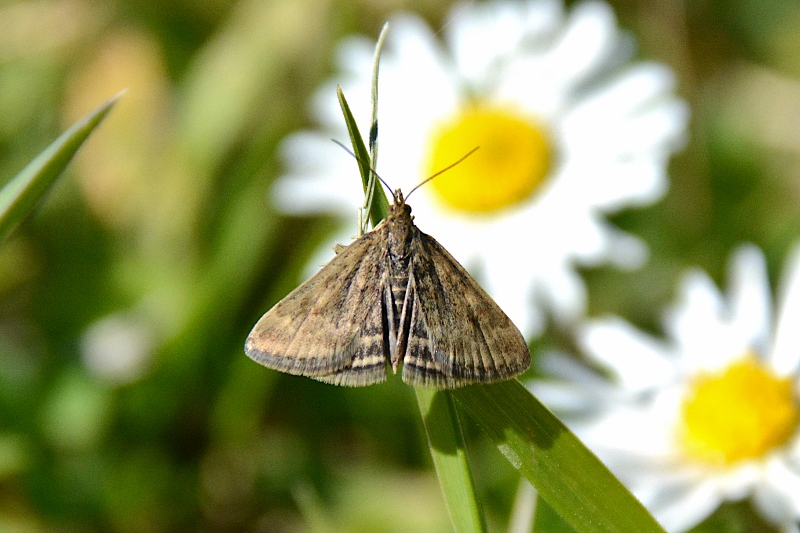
[(399, 289)]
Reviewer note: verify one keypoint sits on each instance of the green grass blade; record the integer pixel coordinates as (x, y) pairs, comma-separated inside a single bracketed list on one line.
[(567, 475), (373, 128), (23, 192), (446, 440), (380, 205)]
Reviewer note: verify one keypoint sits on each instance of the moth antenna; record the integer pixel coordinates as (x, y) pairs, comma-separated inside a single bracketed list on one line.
[(374, 172), (445, 169)]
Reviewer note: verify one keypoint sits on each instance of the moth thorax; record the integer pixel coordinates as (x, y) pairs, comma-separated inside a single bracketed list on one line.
[(399, 236)]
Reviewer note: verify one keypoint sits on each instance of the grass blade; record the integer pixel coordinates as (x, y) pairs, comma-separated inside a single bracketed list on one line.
[(446, 441), (567, 475), (20, 195), (380, 205)]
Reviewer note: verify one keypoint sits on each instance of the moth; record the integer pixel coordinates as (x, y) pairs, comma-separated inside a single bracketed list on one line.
[(394, 297)]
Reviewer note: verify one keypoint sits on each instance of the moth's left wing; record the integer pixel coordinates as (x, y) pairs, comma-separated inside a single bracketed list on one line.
[(456, 333), (331, 328)]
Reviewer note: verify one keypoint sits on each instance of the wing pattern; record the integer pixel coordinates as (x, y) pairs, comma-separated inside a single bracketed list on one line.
[(456, 334), (362, 311), (332, 327)]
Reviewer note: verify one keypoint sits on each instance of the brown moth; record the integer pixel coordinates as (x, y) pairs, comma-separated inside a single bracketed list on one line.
[(394, 295)]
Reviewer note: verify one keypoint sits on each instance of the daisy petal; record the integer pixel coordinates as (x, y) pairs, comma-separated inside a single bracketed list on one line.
[(648, 132), (786, 350), (750, 296), (622, 249), (472, 24), (697, 324), (633, 181), (687, 508), (568, 398), (627, 439), (637, 360), (314, 159), (630, 92), (579, 392), (778, 497), (565, 294), (559, 365), (506, 293), (587, 42), (663, 126), (585, 45)]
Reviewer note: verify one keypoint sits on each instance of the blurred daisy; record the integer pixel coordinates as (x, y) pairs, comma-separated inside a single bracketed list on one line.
[(709, 415), (120, 347), (568, 130)]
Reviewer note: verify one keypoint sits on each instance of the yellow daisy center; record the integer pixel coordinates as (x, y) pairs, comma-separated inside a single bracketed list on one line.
[(513, 160), (739, 413)]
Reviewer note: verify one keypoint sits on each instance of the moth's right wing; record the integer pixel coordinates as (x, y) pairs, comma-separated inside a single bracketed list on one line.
[(331, 328), (455, 333)]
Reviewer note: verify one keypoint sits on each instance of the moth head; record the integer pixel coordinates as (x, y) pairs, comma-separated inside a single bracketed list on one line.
[(399, 206)]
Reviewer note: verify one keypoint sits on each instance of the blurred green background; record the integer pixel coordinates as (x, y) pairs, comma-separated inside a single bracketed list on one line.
[(160, 245)]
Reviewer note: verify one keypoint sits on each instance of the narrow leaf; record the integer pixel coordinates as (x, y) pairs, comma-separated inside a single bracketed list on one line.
[(567, 475), (446, 440), (373, 128), (20, 195), (380, 205)]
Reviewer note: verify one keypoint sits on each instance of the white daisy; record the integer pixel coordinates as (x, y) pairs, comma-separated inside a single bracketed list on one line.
[(708, 415), (568, 130)]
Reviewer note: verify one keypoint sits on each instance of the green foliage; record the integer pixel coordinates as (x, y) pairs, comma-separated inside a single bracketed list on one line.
[(25, 190), (566, 474), (449, 452), (379, 208)]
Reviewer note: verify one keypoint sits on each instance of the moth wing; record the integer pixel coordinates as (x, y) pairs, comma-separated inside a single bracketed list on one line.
[(456, 333), (330, 328)]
